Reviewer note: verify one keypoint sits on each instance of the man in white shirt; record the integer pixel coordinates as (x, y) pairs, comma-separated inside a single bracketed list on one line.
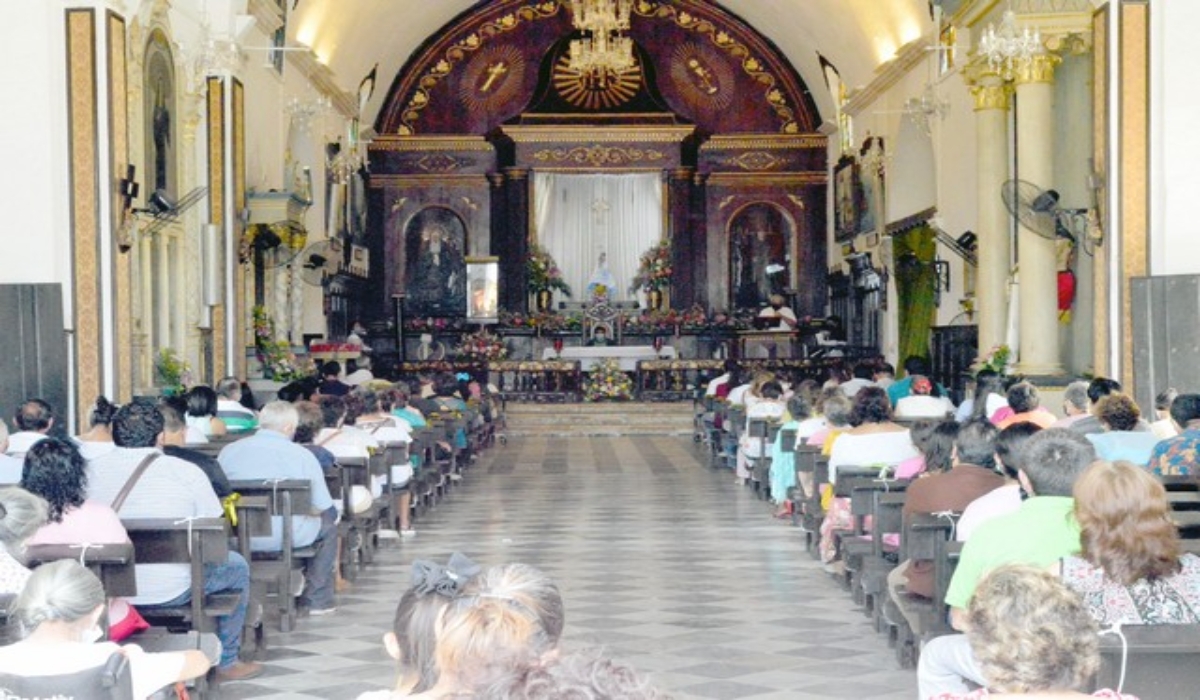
[(360, 372), (175, 489), (921, 404), (33, 421), (864, 376), (776, 310)]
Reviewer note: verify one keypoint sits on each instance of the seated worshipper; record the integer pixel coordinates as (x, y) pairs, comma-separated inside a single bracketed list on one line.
[(237, 418), (1130, 569), (783, 467), (271, 454), (1039, 533), (771, 408), (21, 514), (1119, 416), (781, 317), (10, 467), (1026, 406), (934, 441), (599, 338), (1098, 388), (814, 430), (584, 675), (449, 400), (57, 472), (33, 421), (914, 366), (864, 376), (310, 425), (377, 420), (885, 374), (924, 401), (412, 641), (60, 610), (358, 372), (510, 617), (1180, 454), (1010, 445), (402, 410), (873, 441), (202, 412), (1075, 405), (973, 475), (331, 384), (98, 439), (175, 430), (1031, 637), (171, 488), (988, 398), (839, 410), (1163, 427), (339, 435)]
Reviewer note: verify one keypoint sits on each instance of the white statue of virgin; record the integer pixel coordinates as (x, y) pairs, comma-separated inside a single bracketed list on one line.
[(602, 286)]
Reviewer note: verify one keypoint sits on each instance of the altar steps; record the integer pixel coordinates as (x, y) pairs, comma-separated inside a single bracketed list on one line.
[(607, 419)]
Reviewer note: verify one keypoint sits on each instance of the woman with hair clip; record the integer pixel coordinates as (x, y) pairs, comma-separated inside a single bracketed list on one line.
[(21, 514), (413, 639), (202, 413), (98, 439), (59, 611)]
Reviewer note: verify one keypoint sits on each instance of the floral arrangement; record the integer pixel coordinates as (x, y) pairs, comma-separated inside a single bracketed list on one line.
[(171, 372), (654, 269), (545, 322), (607, 382), (482, 347), (598, 292), (544, 274), (997, 360), (278, 361)]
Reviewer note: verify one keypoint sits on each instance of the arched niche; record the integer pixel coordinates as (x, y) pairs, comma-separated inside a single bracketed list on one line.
[(435, 274), (762, 239), (160, 118)]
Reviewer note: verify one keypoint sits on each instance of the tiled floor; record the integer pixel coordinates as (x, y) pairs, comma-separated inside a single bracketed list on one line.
[(661, 560)]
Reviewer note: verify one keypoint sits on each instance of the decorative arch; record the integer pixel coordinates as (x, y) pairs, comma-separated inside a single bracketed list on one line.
[(703, 56)]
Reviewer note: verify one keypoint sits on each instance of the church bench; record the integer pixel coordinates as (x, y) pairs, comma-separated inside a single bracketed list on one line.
[(928, 537), (216, 443), (863, 552), (111, 563), (1180, 482), (278, 571), (760, 467), (813, 467), (1157, 661)]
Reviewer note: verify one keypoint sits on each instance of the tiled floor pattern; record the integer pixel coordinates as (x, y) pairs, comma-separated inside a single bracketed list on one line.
[(661, 560)]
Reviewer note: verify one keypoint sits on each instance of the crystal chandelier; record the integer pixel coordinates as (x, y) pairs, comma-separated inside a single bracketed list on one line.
[(351, 155), (1009, 47), (304, 113), (927, 108), (603, 49)]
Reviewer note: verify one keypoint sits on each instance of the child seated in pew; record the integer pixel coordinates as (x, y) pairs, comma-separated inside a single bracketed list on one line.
[(783, 471), (59, 609), (1032, 637), (1130, 569), (770, 407)]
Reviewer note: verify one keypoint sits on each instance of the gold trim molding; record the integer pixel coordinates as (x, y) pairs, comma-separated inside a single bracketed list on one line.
[(118, 119), (1039, 69), (597, 155), (238, 305), (216, 205), (766, 141), (381, 181), (400, 144), (992, 97), (592, 134), (769, 180)]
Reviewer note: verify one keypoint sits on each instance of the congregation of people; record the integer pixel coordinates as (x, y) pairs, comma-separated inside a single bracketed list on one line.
[(1064, 521)]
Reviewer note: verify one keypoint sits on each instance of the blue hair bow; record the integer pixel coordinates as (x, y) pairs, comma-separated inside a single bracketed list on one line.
[(448, 580), (463, 377)]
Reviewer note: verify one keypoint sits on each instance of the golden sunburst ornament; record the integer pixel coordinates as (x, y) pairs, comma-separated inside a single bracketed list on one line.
[(596, 90)]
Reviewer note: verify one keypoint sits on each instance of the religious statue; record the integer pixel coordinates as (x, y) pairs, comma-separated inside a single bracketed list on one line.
[(437, 282), (603, 282), (161, 126)]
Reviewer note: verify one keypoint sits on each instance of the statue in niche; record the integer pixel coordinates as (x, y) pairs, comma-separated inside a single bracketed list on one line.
[(161, 123), (603, 284), (436, 273), (759, 255)]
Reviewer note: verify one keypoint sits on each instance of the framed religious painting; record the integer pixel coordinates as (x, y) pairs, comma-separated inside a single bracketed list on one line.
[(846, 193), (435, 271), (483, 290), (869, 212)]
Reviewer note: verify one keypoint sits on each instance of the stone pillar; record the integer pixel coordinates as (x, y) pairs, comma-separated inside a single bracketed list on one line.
[(679, 232), (993, 98), (1039, 346), (513, 254), (699, 226)]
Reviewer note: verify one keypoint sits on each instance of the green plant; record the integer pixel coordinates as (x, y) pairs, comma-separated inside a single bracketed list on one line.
[(544, 274), (654, 269), (170, 371), (278, 361)]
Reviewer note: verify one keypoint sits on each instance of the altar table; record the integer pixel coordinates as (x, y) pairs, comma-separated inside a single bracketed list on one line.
[(627, 355)]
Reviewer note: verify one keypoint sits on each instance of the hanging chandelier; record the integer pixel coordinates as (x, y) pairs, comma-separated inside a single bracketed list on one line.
[(1009, 47), (603, 49)]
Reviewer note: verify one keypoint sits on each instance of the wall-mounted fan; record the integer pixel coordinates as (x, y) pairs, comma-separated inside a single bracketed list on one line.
[(164, 210), (1038, 210), (319, 261), (278, 243)]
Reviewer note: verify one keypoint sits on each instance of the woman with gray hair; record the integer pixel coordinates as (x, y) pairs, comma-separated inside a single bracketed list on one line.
[(59, 612), (21, 514)]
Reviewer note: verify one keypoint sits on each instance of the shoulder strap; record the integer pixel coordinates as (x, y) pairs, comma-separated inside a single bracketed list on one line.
[(321, 443), (133, 479)]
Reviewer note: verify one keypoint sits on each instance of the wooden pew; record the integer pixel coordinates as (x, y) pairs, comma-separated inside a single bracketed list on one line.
[(924, 536), (112, 563), (1158, 661), (284, 498)]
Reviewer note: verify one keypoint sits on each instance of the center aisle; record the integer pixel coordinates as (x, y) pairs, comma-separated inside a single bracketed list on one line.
[(661, 560)]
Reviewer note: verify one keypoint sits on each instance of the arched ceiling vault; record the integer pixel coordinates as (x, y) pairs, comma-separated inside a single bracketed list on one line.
[(857, 36)]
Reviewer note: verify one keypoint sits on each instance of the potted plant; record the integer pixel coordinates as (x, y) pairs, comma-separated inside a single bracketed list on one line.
[(171, 373), (654, 274), (544, 277)]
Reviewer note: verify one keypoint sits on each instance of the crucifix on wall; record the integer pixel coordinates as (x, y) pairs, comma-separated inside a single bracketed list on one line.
[(600, 207)]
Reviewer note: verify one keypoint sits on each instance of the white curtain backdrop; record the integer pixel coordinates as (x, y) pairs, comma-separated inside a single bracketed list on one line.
[(580, 216)]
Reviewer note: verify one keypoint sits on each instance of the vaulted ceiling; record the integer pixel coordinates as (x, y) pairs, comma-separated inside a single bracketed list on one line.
[(857, 36)]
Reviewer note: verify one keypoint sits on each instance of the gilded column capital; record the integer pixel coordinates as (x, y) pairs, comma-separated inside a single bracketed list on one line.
[(1038, 69), (998, 96)]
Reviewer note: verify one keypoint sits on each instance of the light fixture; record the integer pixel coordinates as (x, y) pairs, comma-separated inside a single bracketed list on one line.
[(924, 109), (603, 49), (350, 157), (304, 113), (1009, 47)]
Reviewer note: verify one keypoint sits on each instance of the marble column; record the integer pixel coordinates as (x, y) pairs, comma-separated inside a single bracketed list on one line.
[(679, 232), (993, 99), (1039, 345)]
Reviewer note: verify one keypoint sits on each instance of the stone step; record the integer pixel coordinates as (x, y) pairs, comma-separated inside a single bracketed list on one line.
[(599, 419)]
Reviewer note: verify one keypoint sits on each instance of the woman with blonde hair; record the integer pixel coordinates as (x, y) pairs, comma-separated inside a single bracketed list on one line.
[(1032, 637), (1131, 569), (59, 611)]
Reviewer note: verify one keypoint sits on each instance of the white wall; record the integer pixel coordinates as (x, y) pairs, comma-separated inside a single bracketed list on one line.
[(34, 185), (1175, 139)]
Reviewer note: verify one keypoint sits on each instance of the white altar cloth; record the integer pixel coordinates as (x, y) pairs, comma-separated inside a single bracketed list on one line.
[(627, 355)]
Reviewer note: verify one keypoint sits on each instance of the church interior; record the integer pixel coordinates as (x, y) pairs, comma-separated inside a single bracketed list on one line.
[(538, 193)]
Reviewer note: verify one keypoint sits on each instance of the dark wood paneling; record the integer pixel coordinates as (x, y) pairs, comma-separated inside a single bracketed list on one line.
[(33, 348)]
